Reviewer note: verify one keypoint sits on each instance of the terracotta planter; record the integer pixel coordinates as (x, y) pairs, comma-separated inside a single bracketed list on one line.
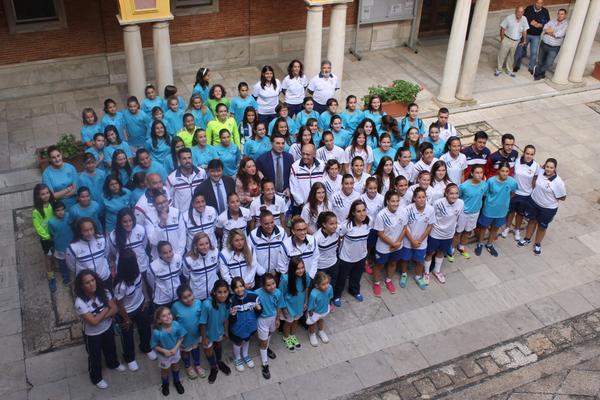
[(395, 108), (76, 161), (596, 73)]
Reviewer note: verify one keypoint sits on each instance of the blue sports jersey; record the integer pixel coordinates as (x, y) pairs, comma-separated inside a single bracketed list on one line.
[(137, 125), (214, 319), (112, 207), (319, 301), (472, 195), (148, 105), (61, 232), (58, 179), (93, 211), (230, 156), (238, 106), (88, 131), (202, 91), (498, 197), (155, 167), (201, 158), (270, 302), (256, 148), (294, 303), (117, 121), (351, 121), (302, 117), (95, 183), (189, 318), (165, 339), (200, 119), (160, 152)]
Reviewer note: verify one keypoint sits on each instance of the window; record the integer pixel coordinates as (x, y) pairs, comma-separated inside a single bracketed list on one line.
[(34, 15), (192, 7)]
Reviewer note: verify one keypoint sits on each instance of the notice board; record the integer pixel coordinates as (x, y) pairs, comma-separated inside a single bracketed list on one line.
[(375, 11)]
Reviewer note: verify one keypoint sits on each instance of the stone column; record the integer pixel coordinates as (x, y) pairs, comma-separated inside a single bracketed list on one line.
[(337, 40), (569, 46), (454, 53), (314, 39), (134, 60), (586, 41), (473, 51), (163, 63)]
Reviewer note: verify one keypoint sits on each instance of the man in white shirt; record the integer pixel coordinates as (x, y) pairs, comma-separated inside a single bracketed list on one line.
[(303, 174), (512, 29), (554, 34), (323, 86)]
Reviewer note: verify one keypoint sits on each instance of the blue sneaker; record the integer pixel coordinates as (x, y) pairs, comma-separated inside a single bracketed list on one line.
[(359, 297), (52, 285), (422, 284), (337, 302), (403, 280), (478, 249)]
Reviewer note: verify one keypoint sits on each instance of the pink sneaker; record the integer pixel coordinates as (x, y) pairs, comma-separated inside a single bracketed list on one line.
[(390, 286), (440, 277), (426, 278), (377, 290), (368, 269)]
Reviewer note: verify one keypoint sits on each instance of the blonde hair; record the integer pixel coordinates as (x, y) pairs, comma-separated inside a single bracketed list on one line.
[(246, 250), (193, 248)]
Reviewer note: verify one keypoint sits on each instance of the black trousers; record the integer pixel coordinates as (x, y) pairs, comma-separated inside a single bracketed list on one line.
[(333, 272), (351, 272), (97, 345), (142, 319)]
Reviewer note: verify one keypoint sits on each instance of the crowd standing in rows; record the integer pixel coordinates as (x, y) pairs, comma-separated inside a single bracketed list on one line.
[(221, 218)]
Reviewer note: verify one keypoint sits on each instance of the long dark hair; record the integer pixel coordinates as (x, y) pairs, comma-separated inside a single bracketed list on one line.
[(379, 172), (100, 292), (120, 234), (153, 136), (37, 201), (191, 209), (128, 269), (112, 128), (201, 77), (213, 293), (106, 188), (243, 176), (263, 80), (114, 168), (174, 155), (362, 126), (291, 66), (291, 275), (313, 210), (77, 228)]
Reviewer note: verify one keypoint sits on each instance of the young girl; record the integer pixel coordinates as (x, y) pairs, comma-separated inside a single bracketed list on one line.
[(164, 275), (304, 137), (493, 214), (202, 115), (354, 232), (200, 218), (472, 192), (228, 152), (242, 102), (439, 180), (91, 177), (328, 150), (352, 115), (341, 137), (62, 235), (97, 150), (420, 220), (90, 126), (136, 123), (423, 182), (171, 91), (281, 127), (294, 286), (390, 225), (325, 117), (403, 166), (244, 310), (272, 302), (167, 337), (145, 163), (313, 127), (332, 178), (247, 181), (266, 92), (157, 114), (151, 100), (113, 117), (412, 142), (159, 143), (200, 266), (434, 138), (173, 116), (359, 147), (41, 214), (138, 187), (389, 125), (259, 143), (293, 86), (412, 120), (238, 259), (384, 149), (247, 125), (128, 235), (89, 251), (114, 143), (456, 161), (327, 239), (222, 121), (235, 217), (60, 177), (343, 198), (188, 130), (202, 152), (282, 112), (120, 167), (266, 241), (96, 307), (316, 204), (187, 311), (213, 325), (447, 211), (368, 126), (268, 201), (357, 170), (385, 175), (543, 205), (115, 198), (401, 186), (171, 162), (318, 308), (202, 85), (217, 95), (133, 308), (427, 158), (307, 112), (86, 207), (374, 203), (374, 111)]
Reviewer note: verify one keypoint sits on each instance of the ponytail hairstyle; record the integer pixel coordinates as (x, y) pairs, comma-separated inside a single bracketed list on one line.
[(120, 234), (390, 125), (128, 268), (388, 195), (324, 217), (201, 77)]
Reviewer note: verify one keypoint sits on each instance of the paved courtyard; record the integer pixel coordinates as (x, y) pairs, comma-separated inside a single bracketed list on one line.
[(485, 301)]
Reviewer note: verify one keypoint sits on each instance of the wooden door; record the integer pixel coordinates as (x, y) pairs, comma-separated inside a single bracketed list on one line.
[(436, 17)]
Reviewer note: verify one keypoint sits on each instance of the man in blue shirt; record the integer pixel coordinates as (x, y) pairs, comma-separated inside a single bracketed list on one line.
[(537, 15)]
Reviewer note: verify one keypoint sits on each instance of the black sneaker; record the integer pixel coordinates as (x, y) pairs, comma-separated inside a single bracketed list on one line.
[(271, 354), (164, 388), (478, 249), (516, 69), (224, 368), (179, 387), (265, 372), (212, 376), (523, 242), (491, 249)]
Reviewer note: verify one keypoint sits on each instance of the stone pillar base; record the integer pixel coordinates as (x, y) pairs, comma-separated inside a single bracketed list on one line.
[(565, 86)]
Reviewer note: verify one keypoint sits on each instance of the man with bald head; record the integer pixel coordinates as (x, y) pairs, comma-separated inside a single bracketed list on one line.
[(513, 29), (537, 16), (303, 174), (146, 201)]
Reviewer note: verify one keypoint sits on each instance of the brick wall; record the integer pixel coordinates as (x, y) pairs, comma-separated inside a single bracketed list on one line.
[(496, 5)]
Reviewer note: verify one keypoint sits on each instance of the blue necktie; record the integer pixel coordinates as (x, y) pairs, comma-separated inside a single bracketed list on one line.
[(220, 198)]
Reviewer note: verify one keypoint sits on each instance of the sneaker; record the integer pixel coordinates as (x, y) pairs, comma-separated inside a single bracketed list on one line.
[(537, 249), (426, 279), (248, 361), (271, 354), (440, 277), (102, 384), (224, 368), (164, 388), (377, 289), (450, 257), (337, 302), (212, 376), (323, 336), (516, 69), (505, 232), (66, 280), (291, 346), (533, 70), (420, 282), (511, 74), (179, 387), (121, 368), (517, 234), (478, 249), (296, 342), (359, 297), (497, 73), (152, 355), (390, 286), (312, 338), (52, 285), (403, 280), (530, 70), (523, 242), (265, 372), (191, 373), (463, 252), (133, 366), (491, 249), (368, 269), (239, 365), (200, 371)]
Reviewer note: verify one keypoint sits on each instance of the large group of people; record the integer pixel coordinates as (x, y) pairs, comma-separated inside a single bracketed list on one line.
[(216, 218)]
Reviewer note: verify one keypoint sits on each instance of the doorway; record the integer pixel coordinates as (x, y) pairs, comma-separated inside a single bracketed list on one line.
[(436, 18)]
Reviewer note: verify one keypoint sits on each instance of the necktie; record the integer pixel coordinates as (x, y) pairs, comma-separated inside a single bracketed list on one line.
[(279, 176), (220, 200)]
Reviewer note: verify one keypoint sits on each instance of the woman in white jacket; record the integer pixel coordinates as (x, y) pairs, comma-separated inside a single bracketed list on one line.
[(239, 259)]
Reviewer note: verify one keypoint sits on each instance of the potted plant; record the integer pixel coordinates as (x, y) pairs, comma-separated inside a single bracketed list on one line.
[(396, 97), (72, 151)]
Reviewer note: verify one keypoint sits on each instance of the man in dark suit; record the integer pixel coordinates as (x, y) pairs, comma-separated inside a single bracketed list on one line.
[(217, 188), (275, 165)]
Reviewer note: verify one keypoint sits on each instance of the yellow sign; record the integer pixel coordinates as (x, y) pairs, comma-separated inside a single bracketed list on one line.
[(139, 11)]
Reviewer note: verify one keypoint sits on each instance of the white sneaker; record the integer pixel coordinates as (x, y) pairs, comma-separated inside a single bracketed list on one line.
[(323, 336), (133, 366), (239, 365), (517, 235), (102, 384), (121, 368), (313, 339), (152, 355), (505, 232)]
